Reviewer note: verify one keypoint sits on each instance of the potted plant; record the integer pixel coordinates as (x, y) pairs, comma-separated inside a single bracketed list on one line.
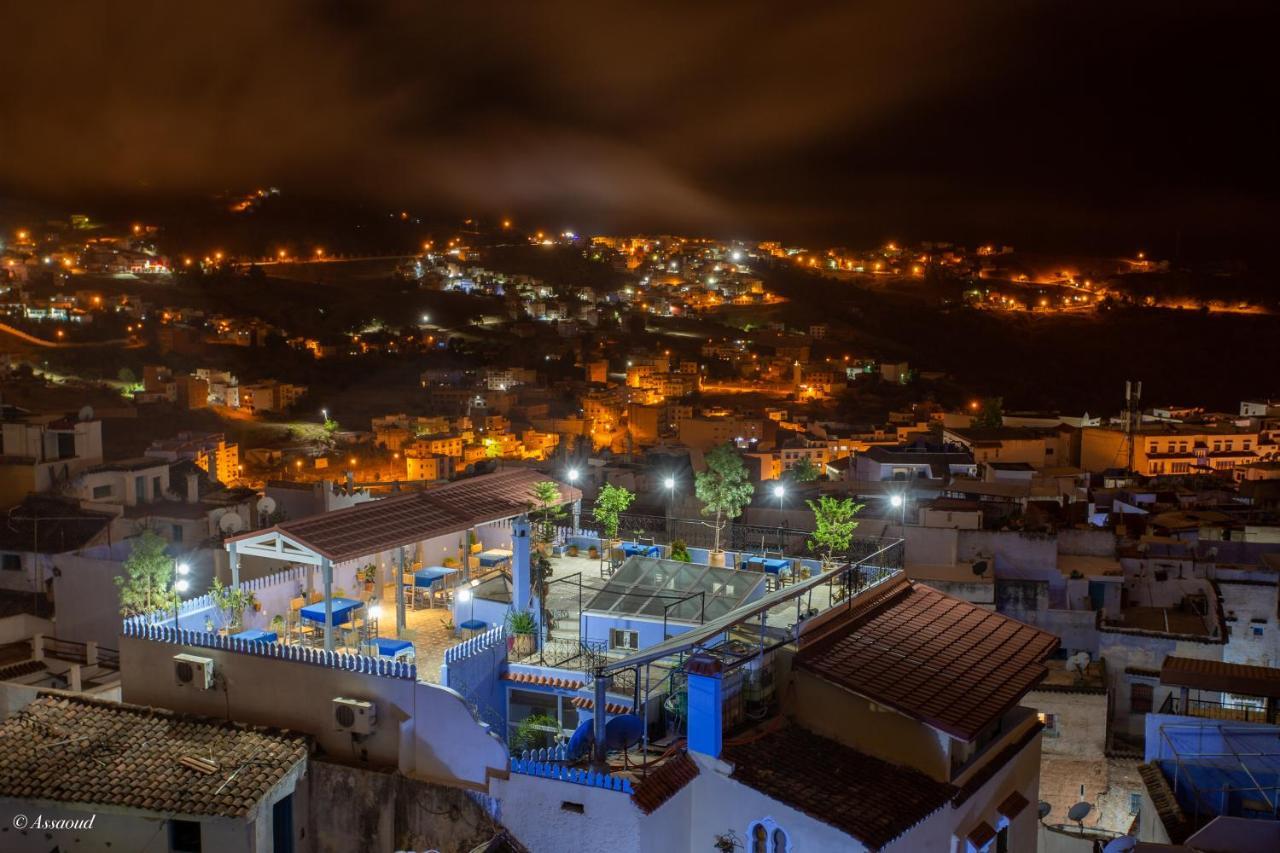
[(523, 629), (368, 575), (572, 550), (277, 624), (610, 503), (724, 491), (680, 551), (833, 527), (545, 515), (593, 552), (230, 602), (473, 542)]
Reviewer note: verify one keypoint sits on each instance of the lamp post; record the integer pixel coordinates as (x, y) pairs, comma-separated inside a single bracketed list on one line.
[(899, 502), (180, 585), (669, 483)]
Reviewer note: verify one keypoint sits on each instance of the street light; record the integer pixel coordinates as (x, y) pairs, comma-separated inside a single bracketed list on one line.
[(898, 502), (573, 475), (180, 585)]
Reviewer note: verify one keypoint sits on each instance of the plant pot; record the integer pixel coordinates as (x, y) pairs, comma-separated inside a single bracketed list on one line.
[(477, 548), (716, 558), (593, 552), (572, 550), (524, 644), (368, 587)]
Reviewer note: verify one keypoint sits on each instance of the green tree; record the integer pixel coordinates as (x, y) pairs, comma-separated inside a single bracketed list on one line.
[(146, 588), (991, 414), (723, 488), (833, 527), (804, 471), (611, 501), (548, 511)]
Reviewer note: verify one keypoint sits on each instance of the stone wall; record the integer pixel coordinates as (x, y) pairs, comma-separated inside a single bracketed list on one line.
[(360, 808)]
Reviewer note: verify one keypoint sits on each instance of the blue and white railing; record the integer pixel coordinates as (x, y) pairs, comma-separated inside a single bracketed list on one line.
[(573, 775), (475, 645), (302, 654)]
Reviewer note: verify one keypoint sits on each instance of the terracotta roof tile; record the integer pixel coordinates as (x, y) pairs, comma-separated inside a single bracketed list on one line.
[(400, 520), (1013, 805), (870, 799), (609, 707), (948, 663), (72, 749), (665, 782), (545, 680)]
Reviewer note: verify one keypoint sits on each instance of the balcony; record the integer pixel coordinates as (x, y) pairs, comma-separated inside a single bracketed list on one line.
[(1237, 710)]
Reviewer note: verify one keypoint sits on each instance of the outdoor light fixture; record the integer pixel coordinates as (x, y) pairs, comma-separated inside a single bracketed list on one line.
[(670, 482), (464, 595), (573, 475), (896, 501), (180, 586), (779, 490)]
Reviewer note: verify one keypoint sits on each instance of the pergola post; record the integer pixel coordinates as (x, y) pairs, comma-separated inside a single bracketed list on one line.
[(326, 571), (521, 565), (466, 553), (400, 619), (599, 720), (235, 564)]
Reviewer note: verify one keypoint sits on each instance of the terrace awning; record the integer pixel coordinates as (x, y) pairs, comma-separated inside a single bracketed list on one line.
[(1221, 677)]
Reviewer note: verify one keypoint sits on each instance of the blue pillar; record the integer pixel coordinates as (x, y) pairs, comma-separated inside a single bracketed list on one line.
[(598, 721), (705, 705), (326, 572), (521, 567)]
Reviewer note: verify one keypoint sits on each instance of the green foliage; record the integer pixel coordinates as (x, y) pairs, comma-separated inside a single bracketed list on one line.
[(804, 471), (723, 488), (231, 602), (991, 414), (330, 426), (611, 501), (548, 512), (147, 584), (834, 524), (521, 622), (680, 551), (532, 732)]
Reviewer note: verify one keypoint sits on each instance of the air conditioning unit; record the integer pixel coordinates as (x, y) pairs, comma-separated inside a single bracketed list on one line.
[(193, 671), (355, 716)]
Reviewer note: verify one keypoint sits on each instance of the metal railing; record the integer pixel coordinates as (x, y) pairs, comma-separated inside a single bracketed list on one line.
[(1215, 710)]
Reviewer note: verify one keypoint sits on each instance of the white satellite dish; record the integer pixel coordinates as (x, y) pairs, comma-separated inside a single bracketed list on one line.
[(230, 523), (266, 505), (86, 413)]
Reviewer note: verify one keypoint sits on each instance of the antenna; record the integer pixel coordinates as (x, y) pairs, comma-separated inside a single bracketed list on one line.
[(230, 523)]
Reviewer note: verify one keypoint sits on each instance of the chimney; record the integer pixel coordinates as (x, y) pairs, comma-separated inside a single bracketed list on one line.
[(705, 704), (193, 488)]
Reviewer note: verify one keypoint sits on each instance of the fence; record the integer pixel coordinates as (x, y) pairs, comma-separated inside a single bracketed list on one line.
[(1240, 712), (559, 652), (573, 775), (301, 654)]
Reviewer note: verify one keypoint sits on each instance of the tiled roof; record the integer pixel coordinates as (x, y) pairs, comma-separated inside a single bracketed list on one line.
[(665, 782), (1220, 676), (609, 707), (1176, 825), (73, 749), (948, 663), (870, 799), (393, 522), (545, 680), (18, 670)]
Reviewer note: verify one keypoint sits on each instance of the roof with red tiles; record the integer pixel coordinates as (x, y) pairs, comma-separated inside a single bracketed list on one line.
[(868, 798), (1220, 676), (950, 664), (609, 707), (400, 520), (665, 782), (544, 680), (72, 749)]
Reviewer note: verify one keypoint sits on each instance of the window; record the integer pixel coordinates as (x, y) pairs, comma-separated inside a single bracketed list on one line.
[(621, 639), (576, 808), (184, 836), (1135, 803), (767, 837), (100, 492), (1257, 630), (11, 562), (1139, 698), (177, 532), (1050, 724)]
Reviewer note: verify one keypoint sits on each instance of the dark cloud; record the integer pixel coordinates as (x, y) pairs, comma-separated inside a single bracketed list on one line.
[(828, 118)]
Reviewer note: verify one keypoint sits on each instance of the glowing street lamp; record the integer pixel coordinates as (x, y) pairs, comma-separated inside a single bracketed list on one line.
[(899, 502), (573, 475), (180, 585)]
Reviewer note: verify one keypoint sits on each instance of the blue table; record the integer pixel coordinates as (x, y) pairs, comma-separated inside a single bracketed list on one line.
[(633, 549), (253, 635), (473, 625), (343, 611), (389, 647), (428, 576), (493, 557), (772, 565)]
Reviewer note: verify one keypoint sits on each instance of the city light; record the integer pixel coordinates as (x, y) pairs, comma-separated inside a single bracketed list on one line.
[(669, 482)]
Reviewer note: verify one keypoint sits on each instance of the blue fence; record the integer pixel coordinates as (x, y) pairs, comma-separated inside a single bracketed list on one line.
[(573, 775)]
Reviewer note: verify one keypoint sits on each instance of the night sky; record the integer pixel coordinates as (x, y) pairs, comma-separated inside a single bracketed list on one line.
[(1066, 125)]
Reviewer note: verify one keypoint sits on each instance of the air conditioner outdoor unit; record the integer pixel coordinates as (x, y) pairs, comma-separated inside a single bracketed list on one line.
[(355, 716), (194, 671)]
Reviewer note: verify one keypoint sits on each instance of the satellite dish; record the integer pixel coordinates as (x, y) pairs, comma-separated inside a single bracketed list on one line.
[(623, 731), (266, 505), (1079, 811), (1044, 808), (1125, 844), (1080, 661), (86, 413), (230, 523)]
